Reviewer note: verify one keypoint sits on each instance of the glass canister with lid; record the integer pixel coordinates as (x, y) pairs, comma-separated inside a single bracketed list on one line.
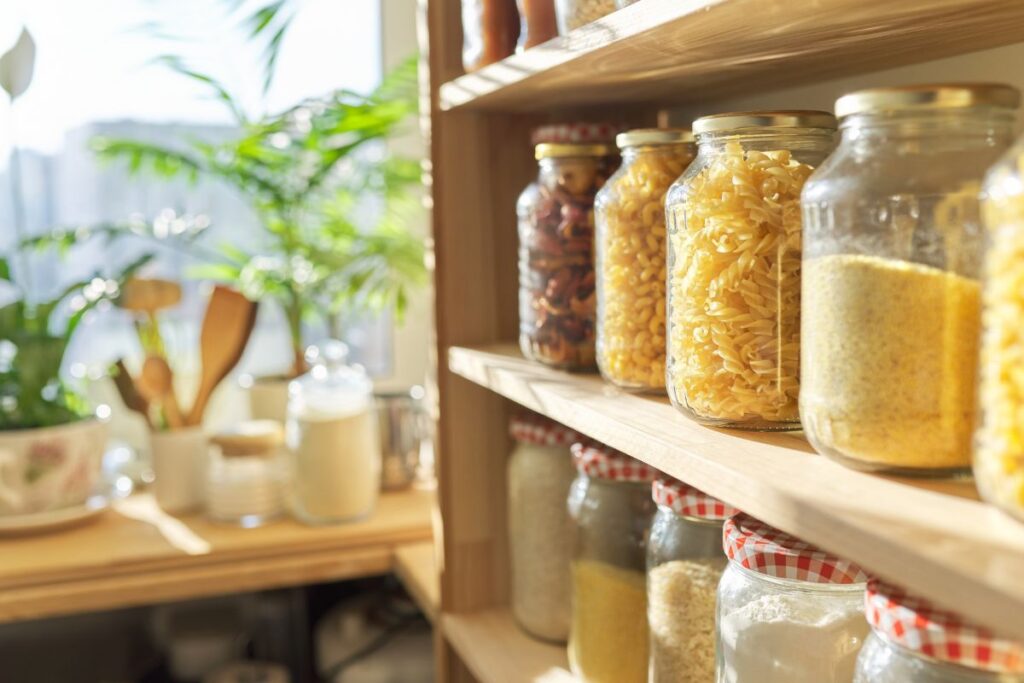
[(611, 505), (557, 300), (999, 438), (787, 611), (573, 14), (631, 256), (247, 474), (540, 473), (333, 437), (892, 259), (912, 641), (685, 562), (734, 267), (490, 30)]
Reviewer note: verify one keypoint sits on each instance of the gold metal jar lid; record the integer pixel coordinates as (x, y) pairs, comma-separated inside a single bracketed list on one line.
[(653, 136), (796, 118), (928, 97), (549, 150), (255, 437)]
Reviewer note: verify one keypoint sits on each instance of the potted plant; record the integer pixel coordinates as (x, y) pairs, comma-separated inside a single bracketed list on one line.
[(333, 203)]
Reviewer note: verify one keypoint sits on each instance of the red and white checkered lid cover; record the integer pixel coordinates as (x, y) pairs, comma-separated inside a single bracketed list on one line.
[(766, 550), (600, 461), (918, 625), (576, 133), (539, 430), (687, 500)]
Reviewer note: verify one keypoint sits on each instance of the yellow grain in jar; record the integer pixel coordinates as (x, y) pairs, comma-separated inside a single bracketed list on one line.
[(631, 255)]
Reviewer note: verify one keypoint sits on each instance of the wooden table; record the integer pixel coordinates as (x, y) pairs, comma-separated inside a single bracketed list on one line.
[(135, 554)]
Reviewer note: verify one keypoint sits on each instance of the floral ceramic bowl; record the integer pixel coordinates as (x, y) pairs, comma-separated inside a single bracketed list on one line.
[(51, 467)]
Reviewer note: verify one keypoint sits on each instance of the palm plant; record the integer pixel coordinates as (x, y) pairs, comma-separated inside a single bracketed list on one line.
[(313, 175)]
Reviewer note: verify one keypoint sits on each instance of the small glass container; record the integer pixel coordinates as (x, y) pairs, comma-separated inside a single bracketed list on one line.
[(734, 267), (787, 612), (611, 505), (537, 22), (333, 437), (573, 14), (247, 475), (892, 258), (999, 439), (631, 257), (490, 30), (685, 561), (557, 299), (540, 473), (912, 641)]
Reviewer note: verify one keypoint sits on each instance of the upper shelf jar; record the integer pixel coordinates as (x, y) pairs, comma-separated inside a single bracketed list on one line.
[(490, 29), (537, 22), (631, 257), (892, 260), (575, 13), (734, 267), (557, 299)]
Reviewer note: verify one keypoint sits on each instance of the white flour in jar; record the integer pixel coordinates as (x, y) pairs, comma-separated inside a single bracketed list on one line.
[(336, 465), (791, 639)]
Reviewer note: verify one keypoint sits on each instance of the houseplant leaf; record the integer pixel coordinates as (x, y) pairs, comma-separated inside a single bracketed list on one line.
[(17, 64)]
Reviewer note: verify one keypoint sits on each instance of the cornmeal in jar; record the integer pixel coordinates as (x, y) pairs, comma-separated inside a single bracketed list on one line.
[(631, 258)]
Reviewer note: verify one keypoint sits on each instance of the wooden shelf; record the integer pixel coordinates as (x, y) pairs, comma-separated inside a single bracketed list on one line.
[(495, 650), (136, 554), (933, 535), (689, 50), (416, 568)]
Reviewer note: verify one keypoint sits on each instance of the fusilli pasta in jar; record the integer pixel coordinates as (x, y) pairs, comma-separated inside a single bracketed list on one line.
[(734, 267)]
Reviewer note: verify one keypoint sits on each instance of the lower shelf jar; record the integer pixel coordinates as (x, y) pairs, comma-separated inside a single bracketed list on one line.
[(684, 565), (611, 504), (787, 612), (914, 642)]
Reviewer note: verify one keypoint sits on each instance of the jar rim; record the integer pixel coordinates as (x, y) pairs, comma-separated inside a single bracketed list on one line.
[(783, 118), (550, 150), (928, 97), (653, 136), (802, 584)]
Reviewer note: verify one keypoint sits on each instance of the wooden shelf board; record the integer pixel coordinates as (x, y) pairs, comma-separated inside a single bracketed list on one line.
[(416, 568), (136, 554), (688, 50), (497, 651), (933, 535)]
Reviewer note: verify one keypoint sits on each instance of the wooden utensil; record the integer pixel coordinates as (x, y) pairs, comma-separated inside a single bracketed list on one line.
[(130, 395), (227, 326), (157, 385), (147, 296)]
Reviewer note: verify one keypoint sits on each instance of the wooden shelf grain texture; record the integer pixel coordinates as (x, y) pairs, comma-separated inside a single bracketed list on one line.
[(933, 535), (496, 650), (673, 51), (136, 554)]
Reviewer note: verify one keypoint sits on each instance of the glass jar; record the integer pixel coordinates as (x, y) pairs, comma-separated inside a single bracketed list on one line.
[(611, 505), (787, 612), (557, 301), (540, 472), (631, 254), (914, 642), (490, 29), (734, 267), (575, 13), (537, 22), (247, 474), (333, 437), (892, 260), (685, 562), (999, 439)]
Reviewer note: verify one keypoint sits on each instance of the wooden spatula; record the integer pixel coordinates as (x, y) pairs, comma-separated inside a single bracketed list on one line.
[(157, 385), (227, 325), (126, 386)]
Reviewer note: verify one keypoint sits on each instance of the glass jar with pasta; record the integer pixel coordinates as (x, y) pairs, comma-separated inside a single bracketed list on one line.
[(893, 249), (734, 267), (557, 299), (631, 256), (999, 439)]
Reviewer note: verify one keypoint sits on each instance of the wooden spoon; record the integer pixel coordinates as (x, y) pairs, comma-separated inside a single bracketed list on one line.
[(126, 387), (157, 385), (227, 326)]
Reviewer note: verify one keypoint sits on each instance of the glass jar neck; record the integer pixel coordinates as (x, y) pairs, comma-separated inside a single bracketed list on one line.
[(661, 149), (952, 126), (766, 138), (955, 672), (554, 162), (854, 590)]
